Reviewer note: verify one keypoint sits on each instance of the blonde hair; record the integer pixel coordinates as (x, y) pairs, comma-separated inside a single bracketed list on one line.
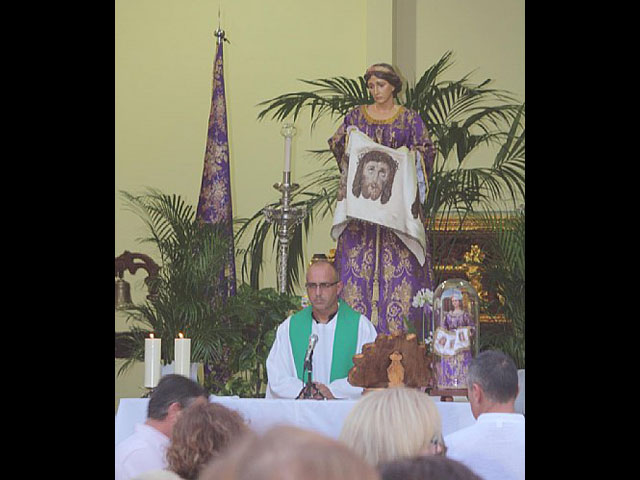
[(390, 424)]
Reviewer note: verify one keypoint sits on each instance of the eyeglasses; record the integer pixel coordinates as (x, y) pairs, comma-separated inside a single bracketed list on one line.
[(323, 286), (439, 447)]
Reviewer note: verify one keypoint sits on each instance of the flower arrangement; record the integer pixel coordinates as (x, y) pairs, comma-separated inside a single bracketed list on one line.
[(423, 297)]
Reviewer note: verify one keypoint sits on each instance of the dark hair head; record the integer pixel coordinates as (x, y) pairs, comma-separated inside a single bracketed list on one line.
[(496, 373), (385, 72), (431, 467), (170, 389)]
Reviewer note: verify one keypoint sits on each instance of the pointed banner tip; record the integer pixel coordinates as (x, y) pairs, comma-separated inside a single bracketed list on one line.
[(220, 35)]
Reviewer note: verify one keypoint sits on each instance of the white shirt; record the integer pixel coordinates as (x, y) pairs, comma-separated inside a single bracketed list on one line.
[(141, 452), (493, 447), (281, 369)]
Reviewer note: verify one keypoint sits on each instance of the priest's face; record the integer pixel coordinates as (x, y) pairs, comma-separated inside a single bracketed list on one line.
[(375, 176), (323, 288)]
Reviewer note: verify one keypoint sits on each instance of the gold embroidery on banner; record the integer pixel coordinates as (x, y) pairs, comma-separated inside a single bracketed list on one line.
[(353, 296), (398, 306)]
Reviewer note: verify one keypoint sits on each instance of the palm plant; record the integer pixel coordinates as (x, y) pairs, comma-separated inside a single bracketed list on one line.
[(192, 255), (231, 336), (504, 274), (461, 116)]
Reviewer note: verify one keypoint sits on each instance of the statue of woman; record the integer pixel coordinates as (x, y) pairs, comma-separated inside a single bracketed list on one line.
[(379, 273), (454, 345)]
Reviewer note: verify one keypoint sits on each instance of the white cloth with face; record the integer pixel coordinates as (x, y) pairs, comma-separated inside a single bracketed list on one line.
[(371, 205), (281, 370)]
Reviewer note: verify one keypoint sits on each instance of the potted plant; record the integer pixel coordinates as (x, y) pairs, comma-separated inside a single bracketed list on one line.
[(229, 335)]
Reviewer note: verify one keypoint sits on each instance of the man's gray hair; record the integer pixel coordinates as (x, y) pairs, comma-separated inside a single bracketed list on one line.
[(496, 373)]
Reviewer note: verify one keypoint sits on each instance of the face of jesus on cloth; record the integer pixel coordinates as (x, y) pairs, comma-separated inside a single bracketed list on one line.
[(323, 288), (374, 176)]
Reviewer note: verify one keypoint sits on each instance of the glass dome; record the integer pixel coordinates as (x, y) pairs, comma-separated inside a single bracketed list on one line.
[(455, 333)]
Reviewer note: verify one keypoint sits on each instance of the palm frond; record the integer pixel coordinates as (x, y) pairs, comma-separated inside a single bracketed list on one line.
[(333, 97)]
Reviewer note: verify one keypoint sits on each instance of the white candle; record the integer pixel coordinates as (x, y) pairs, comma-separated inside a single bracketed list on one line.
[(287, 154), (152, 369), (182, 363)]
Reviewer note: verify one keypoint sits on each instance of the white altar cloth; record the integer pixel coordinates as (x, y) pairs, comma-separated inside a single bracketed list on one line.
[(322, 416)]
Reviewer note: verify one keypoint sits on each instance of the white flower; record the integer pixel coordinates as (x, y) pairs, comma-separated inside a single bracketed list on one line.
[(421, 297), (428, 295)]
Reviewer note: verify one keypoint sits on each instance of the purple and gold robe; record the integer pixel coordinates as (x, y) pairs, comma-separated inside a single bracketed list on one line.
[(400, 273), (452, 370)]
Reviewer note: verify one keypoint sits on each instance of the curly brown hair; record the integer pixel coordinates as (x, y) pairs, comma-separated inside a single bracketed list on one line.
[(200, 434)]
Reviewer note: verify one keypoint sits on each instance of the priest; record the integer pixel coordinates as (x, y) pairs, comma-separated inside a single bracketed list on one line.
[(341, 334)]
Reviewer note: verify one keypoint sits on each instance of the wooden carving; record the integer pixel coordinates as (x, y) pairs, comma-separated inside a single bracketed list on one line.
[(395, 371), (396, 359)]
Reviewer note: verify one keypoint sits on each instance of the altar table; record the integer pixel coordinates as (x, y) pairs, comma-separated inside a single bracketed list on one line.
[(260, 413)]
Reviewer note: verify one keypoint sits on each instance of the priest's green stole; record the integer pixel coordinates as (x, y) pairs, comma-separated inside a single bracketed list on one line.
[(345, 340)]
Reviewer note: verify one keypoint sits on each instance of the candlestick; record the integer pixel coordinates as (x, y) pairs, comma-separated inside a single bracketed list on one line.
[(287, 154), (288, 131), (182, 362), (152, 369)]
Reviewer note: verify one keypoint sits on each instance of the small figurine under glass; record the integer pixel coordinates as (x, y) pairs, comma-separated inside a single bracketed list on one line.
[(455, 335)]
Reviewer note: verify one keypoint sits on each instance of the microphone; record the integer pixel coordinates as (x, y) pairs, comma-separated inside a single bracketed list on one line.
[(313, 339)]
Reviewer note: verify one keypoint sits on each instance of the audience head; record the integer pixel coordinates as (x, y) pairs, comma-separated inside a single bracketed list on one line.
[(173, 394), (426, 468), (394, 423), (289, 453), (200, 434), (492, 383)]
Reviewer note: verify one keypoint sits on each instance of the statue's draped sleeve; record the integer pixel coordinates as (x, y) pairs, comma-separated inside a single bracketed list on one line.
[(337, 143), (418, 139)]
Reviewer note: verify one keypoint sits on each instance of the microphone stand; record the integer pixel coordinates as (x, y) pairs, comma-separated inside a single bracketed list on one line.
[(309, 391)]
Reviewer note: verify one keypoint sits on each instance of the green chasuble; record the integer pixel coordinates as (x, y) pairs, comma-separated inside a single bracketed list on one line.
[(345, 340)]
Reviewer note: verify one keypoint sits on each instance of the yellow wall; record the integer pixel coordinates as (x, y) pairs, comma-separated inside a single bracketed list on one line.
[(163, 69), (487, 39)]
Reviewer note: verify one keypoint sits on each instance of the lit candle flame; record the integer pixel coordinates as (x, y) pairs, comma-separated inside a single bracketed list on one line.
[(180, 335), (151, 335)]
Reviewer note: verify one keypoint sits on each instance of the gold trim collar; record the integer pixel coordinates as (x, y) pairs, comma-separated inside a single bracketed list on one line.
[(391, 119)]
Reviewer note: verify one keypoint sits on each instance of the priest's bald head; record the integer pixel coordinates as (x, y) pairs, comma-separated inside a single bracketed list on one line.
[(323, 287)]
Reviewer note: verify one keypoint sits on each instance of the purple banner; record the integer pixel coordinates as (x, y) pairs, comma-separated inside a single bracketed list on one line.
[(214, 204)]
